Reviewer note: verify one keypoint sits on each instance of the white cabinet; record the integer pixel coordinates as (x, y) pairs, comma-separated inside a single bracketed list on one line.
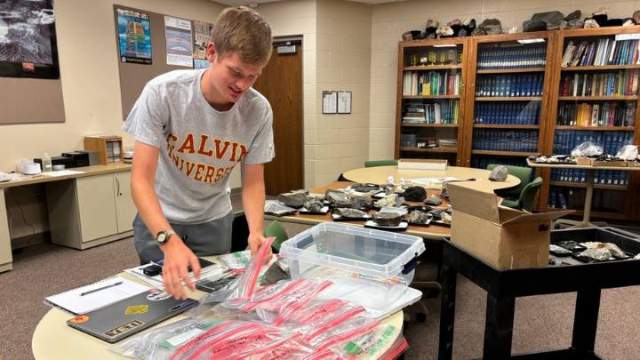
[(125, 208), (91, 210)]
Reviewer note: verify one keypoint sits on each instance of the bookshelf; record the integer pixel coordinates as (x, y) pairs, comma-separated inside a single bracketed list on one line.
[(504, 110), (595, 97), (499, 121), (429, 112)]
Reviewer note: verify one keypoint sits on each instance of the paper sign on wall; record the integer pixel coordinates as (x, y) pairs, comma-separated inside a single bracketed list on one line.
[(177, 33)]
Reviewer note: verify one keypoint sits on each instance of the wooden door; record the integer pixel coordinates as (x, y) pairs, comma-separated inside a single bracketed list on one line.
[(281, 84)]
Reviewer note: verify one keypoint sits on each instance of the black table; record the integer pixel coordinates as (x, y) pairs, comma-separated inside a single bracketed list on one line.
[(503, 286)]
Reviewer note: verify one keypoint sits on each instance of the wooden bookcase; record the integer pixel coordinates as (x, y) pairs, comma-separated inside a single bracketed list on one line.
[(612, 200), (442, 66), (504, 109), (473, 52)]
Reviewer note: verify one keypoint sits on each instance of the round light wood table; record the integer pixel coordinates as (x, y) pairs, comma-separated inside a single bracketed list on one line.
[(53, 339), (380, 174)]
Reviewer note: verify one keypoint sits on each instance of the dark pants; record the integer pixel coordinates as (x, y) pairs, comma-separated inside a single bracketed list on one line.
[(211, 238)]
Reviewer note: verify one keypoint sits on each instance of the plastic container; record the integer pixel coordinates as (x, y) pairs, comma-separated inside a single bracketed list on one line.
[(46, 163), (371, 268)]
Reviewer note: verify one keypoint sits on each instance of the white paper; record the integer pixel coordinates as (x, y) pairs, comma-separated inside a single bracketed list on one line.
[(211, 271), (329, 102), (344, 102), (179, 41), (62, 173), (75, 302)]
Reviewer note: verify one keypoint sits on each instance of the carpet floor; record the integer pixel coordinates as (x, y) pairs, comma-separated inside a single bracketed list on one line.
[(541, 322)]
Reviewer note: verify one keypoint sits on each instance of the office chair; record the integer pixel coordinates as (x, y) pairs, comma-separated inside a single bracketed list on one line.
[(374, 163), (526, 200), (276, 230), (522, 173)]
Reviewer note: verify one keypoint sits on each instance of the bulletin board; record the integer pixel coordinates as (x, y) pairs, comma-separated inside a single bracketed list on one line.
[(134, 76)]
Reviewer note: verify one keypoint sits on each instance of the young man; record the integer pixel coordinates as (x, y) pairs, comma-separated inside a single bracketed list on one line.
[(191, 128)]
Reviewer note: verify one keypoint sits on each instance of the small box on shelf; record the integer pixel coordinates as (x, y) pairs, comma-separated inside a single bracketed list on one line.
[(422, 164), (108, 147)]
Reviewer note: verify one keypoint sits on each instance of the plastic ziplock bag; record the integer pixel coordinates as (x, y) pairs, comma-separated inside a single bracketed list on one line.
[(628, 152), (246, 285), (371, 344), (347, 331), (159, 343), (587, 148), (299, 293)]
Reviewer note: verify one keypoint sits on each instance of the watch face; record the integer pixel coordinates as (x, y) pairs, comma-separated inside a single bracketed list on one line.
[(162, 237)]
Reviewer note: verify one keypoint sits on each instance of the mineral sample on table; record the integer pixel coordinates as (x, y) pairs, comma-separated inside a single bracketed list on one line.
[(419, 217), (338, 198), (391, 200), (415, 193), (387, 218), (361, 200), (294, 199), (349, 213), (313, 205), (368, 187), (433, 200)]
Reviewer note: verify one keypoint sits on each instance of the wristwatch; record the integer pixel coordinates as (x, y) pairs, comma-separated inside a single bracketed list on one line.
[(163, 236)]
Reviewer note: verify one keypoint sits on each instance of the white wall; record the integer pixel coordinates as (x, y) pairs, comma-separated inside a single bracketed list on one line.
[(389, 21), (90, 87), (340, 142), (288, 18)]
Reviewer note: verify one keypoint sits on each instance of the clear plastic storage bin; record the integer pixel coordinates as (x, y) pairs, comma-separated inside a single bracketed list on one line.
[(369, 267)]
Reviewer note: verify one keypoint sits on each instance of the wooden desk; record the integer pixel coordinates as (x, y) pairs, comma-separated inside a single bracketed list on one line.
[(379, 175), (588, 197), (85, 209), (53, 339)]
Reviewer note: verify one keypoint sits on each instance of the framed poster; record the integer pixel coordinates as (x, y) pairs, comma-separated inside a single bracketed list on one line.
[(134, 37), (28, 46), (177, 32)]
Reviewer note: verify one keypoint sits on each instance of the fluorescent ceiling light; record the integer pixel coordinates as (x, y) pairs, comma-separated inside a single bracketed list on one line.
[(531, 41)]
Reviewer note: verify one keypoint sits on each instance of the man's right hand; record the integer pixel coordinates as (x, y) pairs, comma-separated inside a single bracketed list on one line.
[(177, 258)]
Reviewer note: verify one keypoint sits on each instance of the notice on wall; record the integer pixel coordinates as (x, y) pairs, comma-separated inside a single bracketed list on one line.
[(329, 102), (134, 37), (344, 102), (201, 37), (178, 36)]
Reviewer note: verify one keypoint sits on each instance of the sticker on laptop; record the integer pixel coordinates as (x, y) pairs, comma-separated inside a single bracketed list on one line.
[(80, 319), (136, 309), (124, 328), (157, 295)]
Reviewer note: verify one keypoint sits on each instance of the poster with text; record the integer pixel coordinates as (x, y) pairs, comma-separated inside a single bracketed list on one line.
[(27, 39), (177, 32), (134, 37), (202, 35)]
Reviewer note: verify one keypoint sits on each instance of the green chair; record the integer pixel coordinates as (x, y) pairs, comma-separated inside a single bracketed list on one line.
[(374, 163), (522, 173), (276, 230), (526, 200)]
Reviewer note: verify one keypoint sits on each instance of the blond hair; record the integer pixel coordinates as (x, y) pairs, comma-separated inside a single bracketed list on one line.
[(242, 30)]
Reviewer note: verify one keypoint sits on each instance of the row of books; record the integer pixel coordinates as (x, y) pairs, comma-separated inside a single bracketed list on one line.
[(521, 84), (505, 140), (438, 112), (604, 177), (566, 140), (421, 141), (432, 83), (606, 51), (481, 162), (607, 114), (433, 56), (512, 113), (512, 57), (618, 83), (568, 198)]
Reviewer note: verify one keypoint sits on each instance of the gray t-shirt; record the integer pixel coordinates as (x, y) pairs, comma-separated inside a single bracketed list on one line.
[(199, 146)]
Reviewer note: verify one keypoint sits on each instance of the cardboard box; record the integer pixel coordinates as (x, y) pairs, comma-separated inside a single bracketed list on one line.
[(503, 237)]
